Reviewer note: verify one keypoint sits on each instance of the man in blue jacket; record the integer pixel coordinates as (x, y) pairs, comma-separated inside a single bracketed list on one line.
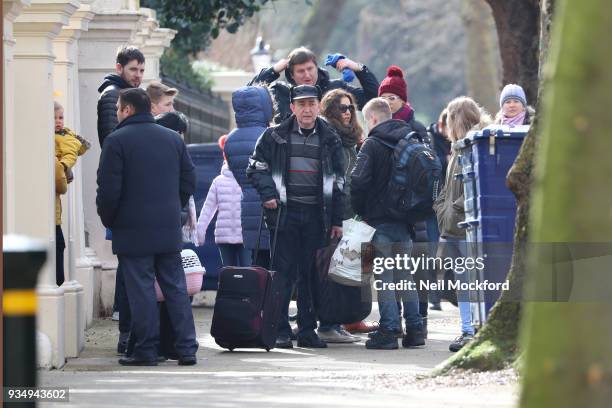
[(129, 71), (145, 177)]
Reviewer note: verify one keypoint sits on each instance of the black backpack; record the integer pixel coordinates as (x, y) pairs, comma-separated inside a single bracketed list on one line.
[(415, 179)]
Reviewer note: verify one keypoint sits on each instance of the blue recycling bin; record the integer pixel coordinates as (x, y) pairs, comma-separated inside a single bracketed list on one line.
[(490, 207), (207, 159)]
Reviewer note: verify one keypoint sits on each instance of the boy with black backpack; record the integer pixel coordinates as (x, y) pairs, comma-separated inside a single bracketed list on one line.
[(394, 183)]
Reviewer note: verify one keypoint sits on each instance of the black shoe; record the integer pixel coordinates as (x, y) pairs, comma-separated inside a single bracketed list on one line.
[(382, 340), (187, 360), (460, 341), (122, 345), (131, 361), (311, 340), (283, 342), (436, 306), (413, 338)]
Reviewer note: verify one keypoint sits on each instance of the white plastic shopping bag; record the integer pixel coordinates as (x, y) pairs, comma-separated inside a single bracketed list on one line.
[(345, 266)]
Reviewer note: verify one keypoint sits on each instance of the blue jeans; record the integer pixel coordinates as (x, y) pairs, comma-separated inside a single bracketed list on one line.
[(458, 248), (390, 240), (234, 255)]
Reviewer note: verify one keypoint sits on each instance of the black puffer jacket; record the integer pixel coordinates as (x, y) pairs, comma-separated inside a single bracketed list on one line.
[(107, 104), (281, 89), (268, 165), (373, 170)]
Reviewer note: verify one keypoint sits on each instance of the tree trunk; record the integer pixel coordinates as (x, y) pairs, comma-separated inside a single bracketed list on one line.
[(518, 27), (568, 359), (482, 67), (496, 343), (320, 23)]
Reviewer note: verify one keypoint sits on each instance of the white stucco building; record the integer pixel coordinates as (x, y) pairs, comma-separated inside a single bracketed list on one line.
[(60, 50)]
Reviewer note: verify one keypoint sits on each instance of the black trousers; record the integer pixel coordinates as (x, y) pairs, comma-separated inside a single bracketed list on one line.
[(60, 245), (294, 259), (139, 273)]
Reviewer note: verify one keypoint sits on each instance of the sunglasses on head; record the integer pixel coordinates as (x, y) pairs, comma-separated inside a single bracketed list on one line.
[(343, 108)]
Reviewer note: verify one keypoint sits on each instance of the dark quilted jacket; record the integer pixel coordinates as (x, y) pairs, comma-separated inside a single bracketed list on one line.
[(107, 104), (280, 89)]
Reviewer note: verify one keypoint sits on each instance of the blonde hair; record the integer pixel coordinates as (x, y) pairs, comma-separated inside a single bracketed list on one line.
[(156, 90), (463, 115), (379, 108)]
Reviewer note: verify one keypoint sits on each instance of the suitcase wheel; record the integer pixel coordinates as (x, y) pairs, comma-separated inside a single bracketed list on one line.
[(268, 349), (231, 349)]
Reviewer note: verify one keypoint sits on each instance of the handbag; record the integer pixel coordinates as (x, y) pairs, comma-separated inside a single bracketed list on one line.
[(337, 303), (345, 265)]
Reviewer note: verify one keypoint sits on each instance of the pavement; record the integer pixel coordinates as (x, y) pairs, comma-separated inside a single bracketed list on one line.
[(343, 375)]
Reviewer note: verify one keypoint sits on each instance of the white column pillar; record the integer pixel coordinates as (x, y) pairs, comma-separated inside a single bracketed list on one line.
[(34, 32), (110, 28), (78, 285), (10, 10), (152, 41)]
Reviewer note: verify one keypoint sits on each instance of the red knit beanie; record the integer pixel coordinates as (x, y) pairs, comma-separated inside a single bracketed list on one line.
[(394, 83)]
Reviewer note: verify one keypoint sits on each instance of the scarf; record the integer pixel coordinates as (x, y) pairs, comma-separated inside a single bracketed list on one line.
[(518, 120), (348, 134), (405, 113)]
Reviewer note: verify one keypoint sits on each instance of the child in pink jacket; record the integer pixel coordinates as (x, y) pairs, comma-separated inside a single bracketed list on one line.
[(224, 196)]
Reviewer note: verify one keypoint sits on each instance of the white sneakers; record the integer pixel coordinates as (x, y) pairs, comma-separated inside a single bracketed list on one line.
[(337, 336)]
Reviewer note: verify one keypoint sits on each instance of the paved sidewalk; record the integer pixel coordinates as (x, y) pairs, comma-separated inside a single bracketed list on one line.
[(344, 375)]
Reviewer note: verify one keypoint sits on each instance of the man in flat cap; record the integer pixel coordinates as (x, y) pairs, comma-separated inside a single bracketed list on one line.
[(298, 169)]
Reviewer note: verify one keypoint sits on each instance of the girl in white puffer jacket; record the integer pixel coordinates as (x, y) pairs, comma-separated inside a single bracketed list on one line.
[(224, 196)]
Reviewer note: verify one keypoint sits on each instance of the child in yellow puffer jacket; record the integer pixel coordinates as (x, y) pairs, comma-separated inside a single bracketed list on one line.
[(68, 145)]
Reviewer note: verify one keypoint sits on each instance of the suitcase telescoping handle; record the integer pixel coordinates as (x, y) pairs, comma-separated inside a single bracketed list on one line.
[(273, 247)]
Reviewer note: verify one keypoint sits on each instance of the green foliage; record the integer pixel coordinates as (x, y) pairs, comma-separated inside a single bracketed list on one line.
[(178, 67), (197, 21)]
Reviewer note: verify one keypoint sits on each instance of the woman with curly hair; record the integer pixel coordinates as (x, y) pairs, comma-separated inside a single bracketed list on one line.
[(338, 108)]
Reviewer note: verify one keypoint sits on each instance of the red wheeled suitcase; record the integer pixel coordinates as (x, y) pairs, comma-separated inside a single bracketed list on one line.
[(247, 307)]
